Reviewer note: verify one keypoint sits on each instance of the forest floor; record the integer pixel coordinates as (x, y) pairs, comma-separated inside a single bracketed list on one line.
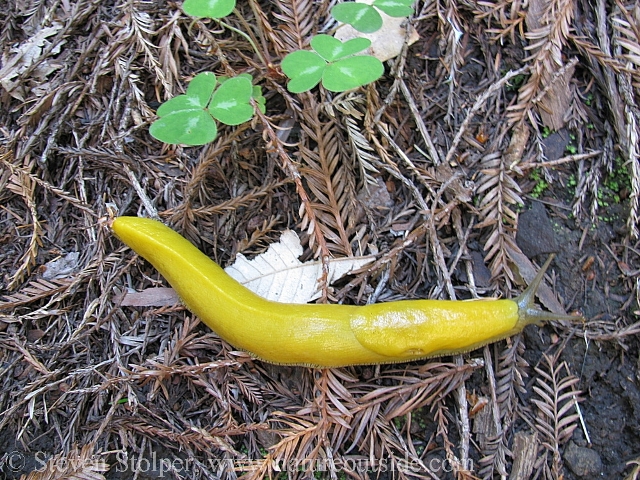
[(508, 131)]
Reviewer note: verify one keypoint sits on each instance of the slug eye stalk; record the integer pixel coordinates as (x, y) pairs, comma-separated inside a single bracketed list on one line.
[(528, 312)]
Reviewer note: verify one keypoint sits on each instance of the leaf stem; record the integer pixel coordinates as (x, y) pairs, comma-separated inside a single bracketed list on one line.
[(240, 32)]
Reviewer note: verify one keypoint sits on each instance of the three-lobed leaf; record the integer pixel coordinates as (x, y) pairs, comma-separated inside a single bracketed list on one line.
[(306, 69), (190, 119), (209, 8), (333, 63)]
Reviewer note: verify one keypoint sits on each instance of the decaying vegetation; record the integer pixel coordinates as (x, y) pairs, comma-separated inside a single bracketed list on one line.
[(426, 168)]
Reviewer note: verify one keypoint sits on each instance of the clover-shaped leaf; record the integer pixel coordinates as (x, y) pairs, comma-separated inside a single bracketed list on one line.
[(231, 102), (209, 8), (333, 63), (351, 73), (190, 119), (332, 49)]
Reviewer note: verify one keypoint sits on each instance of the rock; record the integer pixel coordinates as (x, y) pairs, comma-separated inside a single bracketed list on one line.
[(535, 234), (556, 144), (582, 461), (480, 271)]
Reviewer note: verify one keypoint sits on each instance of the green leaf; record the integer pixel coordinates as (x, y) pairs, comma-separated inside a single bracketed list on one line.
[(202, 87), (190, 119), (231, 102), (197, 97), (332, 49), (256, 92), (395, 8), (209, 8), (304, 68), (360, 16), (189, 127), (178, 104), (351, 73)]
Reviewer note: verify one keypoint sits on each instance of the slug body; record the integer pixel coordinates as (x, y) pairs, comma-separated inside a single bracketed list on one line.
[(323, 335)]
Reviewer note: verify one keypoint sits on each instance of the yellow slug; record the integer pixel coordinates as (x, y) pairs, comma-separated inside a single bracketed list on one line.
[(323, 335)]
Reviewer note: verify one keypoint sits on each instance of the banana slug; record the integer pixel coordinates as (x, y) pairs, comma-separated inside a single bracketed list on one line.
[(322, 335)]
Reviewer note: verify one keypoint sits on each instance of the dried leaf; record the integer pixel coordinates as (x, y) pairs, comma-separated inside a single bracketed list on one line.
[(278, 275), (556, 389), (151, 297), (61, 267), (26, 55)]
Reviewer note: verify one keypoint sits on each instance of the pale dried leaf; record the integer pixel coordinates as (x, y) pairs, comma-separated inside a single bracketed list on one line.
[(24, 56), (61, 267), (151, 297), (278, 275)]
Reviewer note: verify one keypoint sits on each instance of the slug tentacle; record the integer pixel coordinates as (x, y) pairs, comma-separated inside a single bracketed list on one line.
[(529, 312)]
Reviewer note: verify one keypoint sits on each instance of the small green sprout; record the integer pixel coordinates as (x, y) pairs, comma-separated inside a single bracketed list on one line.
[(366, 18), (515, 83), (602, 198), (571, 149), (540, 186), (334, 63), (589, 99), (190, 119)]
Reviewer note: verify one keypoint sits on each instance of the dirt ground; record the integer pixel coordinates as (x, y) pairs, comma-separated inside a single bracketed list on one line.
[(507, 132)]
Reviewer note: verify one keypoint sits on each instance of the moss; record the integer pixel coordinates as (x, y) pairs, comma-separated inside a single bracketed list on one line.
[(540, 186)]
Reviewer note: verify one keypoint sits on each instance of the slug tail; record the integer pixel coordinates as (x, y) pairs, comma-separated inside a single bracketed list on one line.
[(529, 312)]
